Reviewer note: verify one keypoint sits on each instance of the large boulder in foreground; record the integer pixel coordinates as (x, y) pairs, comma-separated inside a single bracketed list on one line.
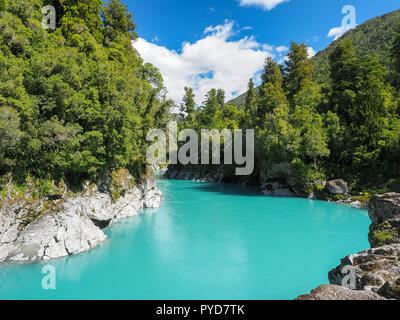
[(336, 187), (333, 292), (376, 270)]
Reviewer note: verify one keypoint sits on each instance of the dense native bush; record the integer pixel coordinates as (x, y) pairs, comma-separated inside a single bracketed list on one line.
[(347, 127), (78, 100)]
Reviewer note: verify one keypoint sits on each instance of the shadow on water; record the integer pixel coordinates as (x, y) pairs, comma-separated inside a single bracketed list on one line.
[(227, 189)]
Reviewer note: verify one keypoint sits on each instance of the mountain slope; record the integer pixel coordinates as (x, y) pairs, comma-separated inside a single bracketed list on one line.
[(374, 37)]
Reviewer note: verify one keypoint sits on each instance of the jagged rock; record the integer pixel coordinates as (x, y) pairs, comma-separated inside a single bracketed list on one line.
[(53, 236), (28, 232), (337, 187), (374, 269), (333, 292), (384, 207), (391, 289), (275, 189)]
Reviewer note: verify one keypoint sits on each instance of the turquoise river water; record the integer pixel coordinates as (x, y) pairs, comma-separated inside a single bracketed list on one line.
[(206, 241)]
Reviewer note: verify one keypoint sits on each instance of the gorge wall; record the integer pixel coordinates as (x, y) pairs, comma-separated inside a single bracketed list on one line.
[(42, 229)]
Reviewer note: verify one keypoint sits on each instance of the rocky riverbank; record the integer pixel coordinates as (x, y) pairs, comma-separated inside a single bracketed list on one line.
[(374, 273), (280, 182), (65, 224)]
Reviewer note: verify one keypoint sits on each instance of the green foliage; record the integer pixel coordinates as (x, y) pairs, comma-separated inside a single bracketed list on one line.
[(363, 103), (272, 73), (396, 58), (251, 101), (189, 102), (372, 38), (117, 20), (80, 13), (3, 5), (347, 127), (365, 198), (386, 236), (299, 69), (71, 106)]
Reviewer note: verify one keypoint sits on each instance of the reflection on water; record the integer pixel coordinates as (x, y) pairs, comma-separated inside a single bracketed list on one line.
[(207, 241)]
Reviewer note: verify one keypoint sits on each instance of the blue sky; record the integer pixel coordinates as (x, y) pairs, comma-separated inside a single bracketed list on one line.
[(224, 35)]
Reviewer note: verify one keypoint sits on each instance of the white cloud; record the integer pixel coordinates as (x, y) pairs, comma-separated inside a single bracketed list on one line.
[(215, 61), (311, 52), (282, 49), (337, 32), (265, 4)]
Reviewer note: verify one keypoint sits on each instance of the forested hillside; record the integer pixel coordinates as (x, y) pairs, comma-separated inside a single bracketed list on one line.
[(78, 100), (372, 38), (306, 132)]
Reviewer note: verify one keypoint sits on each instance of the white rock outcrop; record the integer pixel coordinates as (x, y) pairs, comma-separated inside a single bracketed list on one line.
[(73, 225)]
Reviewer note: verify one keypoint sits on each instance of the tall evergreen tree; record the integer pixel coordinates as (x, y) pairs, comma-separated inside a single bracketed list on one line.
[(299, 69), (271, 91), (362, 101), (189, 103), (117, 20), (221, 98), (251, 100), (211, 105), (272, 73)]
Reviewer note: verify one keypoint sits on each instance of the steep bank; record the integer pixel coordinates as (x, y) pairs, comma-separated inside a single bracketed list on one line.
[(42, 229), (376, 270)]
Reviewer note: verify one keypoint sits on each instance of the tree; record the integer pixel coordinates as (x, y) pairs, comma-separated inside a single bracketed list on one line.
[(117, 20), (315, 139), (251, 100), (272, 96), (10, 135), (299, 69), (189, 103), (279, 141), (9, 128), (342, 66), (396, 57), (3, 5), (271, 92), (82, 12), (272, 73), (211, 106), (363, 102), (221, 98)]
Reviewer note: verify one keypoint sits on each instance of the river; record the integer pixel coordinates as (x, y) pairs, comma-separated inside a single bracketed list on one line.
[(206, 241)]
